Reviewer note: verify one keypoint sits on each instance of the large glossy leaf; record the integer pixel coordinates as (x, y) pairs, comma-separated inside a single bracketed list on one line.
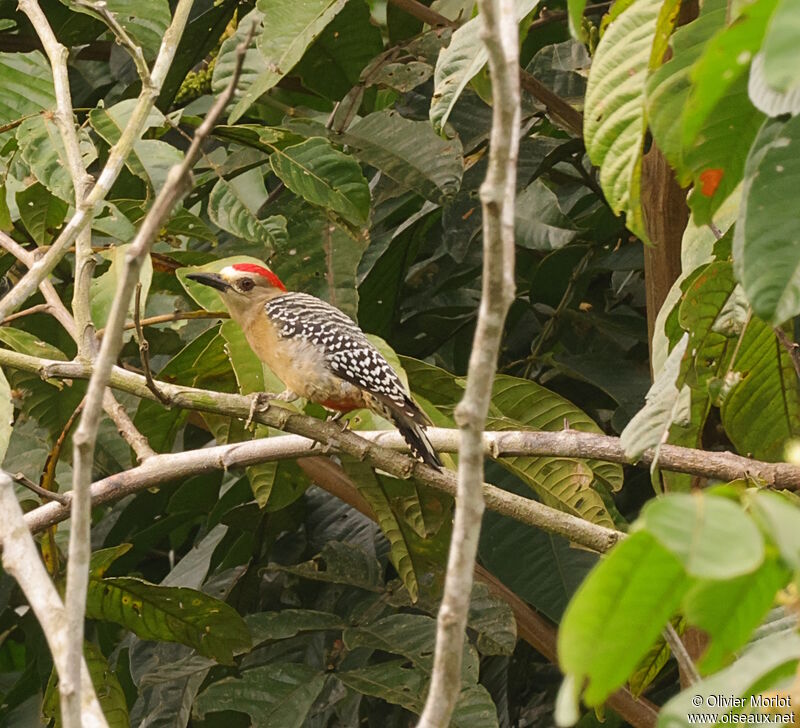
[(408, 152), (227, 209), (711, 535), (617, 614), (43, 150), (370, 485), (780, 519), (396, 683), (104, 286), (614, 115), (728, 611), (287, 30), (274, 696), (411, 635), (775, 656), (287, 623), (767, 263), (762, 412), (551, 569), (719, 122), (41, 212), (27, 86), (106, 685), (667, 402), (540, 224), (461, 61), (320, 256), (321, 174), (170, 614), (781, 53)]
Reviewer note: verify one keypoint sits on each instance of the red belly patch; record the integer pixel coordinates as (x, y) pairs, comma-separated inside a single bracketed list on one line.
[(341, 405)]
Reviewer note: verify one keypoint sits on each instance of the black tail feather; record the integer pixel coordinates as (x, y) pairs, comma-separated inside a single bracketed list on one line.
[(414, 435)]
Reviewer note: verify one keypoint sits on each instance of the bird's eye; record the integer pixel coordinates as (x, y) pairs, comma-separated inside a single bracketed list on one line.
[(246, 284)]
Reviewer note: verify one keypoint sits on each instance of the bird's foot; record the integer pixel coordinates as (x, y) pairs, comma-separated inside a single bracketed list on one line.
[(337, 417), (259, 402), (287, 395)]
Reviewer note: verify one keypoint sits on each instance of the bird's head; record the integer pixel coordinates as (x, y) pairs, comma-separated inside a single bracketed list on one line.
[(242, 286)]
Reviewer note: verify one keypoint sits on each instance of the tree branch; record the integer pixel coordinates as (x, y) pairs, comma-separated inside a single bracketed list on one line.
[(117, 156), (178, 182), (21, 559), (500, 35)]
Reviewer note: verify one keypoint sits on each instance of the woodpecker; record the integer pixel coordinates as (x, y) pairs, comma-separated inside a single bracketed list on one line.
[(317, 351)]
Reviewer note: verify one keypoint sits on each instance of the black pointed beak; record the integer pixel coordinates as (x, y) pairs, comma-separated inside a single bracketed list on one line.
[(209, 279)]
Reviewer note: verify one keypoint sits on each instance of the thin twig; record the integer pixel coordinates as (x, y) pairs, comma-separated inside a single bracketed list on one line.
[(25, 481), (685, 663), (38, 308), (500, 36), (164, 318), (144, 347)]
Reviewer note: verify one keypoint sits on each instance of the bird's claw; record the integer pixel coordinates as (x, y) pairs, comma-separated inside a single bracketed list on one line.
[(259, 402)]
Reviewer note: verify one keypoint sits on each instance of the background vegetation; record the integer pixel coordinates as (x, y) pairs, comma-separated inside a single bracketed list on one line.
[(351, 161)]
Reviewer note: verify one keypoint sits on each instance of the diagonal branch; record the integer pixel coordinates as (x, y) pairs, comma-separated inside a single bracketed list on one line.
[(21, 559), (178, 182), (500, 35)]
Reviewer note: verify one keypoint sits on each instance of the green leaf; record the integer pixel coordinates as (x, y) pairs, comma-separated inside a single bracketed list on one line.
[(27, 86), (320, 256), (575, 10), (110, 123), (768, 661), (410, 635), (712, 159), (781, 54), (228, 210), (321, 174), (652, 663), (106, 685), (43, 150), (395, 683), (493, 619), (287, 623), (461, 61), (711, 536), (274, 696), (370, 486), (665, 404), (728, 611), (718, 117), (780, 520), (169, 614), (333, 64), (341, 563), (762, 412), (104, 287), (617, 614), (766, 260), (408, 152), (287, 31), (145, 21), (550, 572), (539, 223), (614, 115), (41, 212), (103, 558)]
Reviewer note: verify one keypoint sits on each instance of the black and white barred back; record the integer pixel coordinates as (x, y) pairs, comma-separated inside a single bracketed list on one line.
[(352, 357)]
